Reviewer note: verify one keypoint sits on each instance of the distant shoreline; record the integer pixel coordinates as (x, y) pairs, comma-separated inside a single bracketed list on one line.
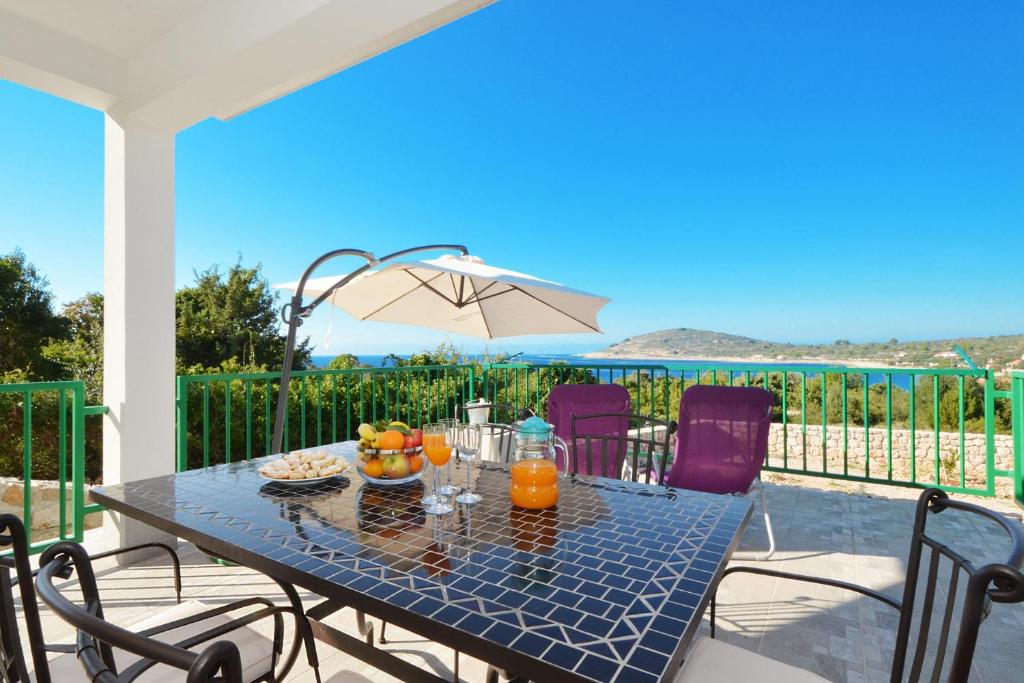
[(680, 344), (744, 360), (374, 360)]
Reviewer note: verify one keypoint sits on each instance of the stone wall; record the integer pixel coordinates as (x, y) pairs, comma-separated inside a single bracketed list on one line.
[(924, 455), (45, 503)]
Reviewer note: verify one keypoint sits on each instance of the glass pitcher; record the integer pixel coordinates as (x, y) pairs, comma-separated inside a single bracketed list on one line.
[(534, 467)]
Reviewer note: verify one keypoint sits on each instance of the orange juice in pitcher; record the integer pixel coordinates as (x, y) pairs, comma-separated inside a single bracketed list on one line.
[(534, 470)]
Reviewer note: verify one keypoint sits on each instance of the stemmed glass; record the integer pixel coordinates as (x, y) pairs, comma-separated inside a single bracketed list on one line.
[(439, 451), (451, 426), (469, 447)]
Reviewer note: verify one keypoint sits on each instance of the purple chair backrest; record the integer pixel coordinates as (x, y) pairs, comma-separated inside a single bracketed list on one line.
[(566, 400), (722, 440)]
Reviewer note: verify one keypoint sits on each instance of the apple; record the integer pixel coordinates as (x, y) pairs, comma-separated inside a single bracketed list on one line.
[(414, 438), (396, 466)]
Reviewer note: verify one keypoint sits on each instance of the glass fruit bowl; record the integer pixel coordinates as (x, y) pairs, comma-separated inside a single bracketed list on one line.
[(390, 468)]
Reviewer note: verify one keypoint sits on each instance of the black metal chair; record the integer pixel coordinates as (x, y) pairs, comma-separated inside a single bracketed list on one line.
[(187, 625), (13, 533), (918, 655), (620, 446), (497, 435)]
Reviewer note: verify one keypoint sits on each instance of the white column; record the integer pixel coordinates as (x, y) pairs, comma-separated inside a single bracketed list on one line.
[(138, 324)]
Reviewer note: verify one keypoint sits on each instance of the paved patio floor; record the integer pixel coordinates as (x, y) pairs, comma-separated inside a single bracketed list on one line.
[(842, 637)]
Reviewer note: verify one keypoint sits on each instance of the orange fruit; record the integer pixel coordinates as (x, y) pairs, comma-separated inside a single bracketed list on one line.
[(374, 468), (391, 440), (415, 463)]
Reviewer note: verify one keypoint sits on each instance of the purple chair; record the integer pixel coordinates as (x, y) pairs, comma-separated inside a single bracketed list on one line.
[(607, 400), (722, 443)]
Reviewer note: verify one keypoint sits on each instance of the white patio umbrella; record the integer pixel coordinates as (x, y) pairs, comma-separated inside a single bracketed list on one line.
[(462, 294), (454, 293)]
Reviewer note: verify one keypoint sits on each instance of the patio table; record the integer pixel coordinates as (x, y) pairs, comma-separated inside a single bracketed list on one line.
[(609, 586)]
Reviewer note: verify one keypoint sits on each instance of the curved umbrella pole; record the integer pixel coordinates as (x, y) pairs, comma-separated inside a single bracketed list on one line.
[(294, 312)]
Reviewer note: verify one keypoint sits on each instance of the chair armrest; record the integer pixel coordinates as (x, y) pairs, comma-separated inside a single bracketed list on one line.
[(141, 546), (868, 592), (8, 562), (63, 648), (175, 562)]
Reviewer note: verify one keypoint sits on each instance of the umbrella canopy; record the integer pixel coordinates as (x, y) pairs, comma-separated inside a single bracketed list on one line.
[(464, 295)]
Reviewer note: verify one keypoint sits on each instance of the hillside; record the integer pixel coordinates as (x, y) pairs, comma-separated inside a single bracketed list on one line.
[(682, 343)]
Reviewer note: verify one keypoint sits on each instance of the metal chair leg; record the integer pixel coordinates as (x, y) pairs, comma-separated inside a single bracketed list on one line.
[(767, 523), (303, 637), (714, 599), (383, 626)]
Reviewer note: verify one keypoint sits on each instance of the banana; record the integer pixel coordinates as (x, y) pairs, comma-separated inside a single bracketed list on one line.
[(399, 426), (368, 434)]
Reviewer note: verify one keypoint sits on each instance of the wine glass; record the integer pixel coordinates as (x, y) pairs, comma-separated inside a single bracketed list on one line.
[(438, 449), (469, 447), (451, 426)]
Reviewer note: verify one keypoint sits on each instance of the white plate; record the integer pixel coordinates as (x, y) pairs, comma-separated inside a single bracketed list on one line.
[(342, 451)]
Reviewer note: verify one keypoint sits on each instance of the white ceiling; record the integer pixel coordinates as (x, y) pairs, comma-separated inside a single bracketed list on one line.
[(173, 63), (120, 27)]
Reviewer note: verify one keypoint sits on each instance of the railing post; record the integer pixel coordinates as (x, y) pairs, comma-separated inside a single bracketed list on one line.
[(78, 461), (1017, 421), (26, 458), (485, 388), (990, 431), (181, 400)]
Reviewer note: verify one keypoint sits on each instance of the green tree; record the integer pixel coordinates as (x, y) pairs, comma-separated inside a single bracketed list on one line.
[(445, 353), (949, 404), (232, 315), (80, 355), (27, 319), (344, 361)]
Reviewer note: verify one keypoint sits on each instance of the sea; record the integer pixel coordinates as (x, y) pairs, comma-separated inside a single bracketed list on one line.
[(376, 360)]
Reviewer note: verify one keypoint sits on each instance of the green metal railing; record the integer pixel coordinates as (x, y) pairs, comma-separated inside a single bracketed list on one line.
[(228, 417), (44, 423), (1017, 400), (869, 425)]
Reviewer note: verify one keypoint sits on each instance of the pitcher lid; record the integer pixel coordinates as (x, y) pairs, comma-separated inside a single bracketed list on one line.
[(535, 425)]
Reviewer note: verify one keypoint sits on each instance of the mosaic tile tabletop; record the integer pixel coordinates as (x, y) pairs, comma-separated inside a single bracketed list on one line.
[(608, 586)]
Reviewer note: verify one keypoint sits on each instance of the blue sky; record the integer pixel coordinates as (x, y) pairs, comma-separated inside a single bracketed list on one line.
[(795, 171)]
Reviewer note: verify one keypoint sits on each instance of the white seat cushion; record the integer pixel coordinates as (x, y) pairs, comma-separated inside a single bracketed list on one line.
[(255, 649), (711, 660)]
